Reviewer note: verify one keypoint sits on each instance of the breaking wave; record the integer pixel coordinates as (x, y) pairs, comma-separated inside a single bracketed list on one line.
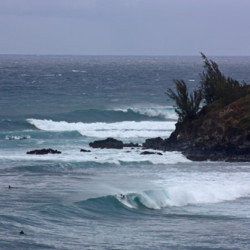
[(125, 129)]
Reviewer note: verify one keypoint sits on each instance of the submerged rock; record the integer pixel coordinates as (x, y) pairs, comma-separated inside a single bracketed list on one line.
[(84, 150), (150, 153), (43, 151)]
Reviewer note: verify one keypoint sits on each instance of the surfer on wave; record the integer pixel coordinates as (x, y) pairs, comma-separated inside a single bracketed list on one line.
[(122, 196)]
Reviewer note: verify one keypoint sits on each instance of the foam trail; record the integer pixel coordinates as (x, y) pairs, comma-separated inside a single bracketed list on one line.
[(17, 137), (116, 156), (126, 129)]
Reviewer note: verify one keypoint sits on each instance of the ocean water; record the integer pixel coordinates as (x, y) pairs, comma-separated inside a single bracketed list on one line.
[(72, 200)]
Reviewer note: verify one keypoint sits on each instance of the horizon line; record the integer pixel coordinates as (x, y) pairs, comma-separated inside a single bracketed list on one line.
[(116, 55)]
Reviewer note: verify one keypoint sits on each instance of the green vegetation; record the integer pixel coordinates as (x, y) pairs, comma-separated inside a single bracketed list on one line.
[(188, 105), (215, 89)]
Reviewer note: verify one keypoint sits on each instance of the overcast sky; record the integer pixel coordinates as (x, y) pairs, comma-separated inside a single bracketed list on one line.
[(125, 27)]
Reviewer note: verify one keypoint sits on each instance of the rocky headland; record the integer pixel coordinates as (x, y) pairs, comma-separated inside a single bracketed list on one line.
[(217, 134), (218, 131)]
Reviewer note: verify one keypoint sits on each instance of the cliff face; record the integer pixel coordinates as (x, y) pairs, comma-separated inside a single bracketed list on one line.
[(217, 134)]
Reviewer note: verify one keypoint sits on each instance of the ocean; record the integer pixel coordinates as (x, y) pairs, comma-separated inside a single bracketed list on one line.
[(73, 200)]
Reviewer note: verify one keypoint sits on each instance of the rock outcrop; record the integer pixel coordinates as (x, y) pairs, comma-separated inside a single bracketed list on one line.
[(85, 150), (107, 143), (112, 143), (43, 151)]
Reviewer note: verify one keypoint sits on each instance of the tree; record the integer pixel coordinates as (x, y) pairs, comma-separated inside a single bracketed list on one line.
[(187, 105), (217, 87), (214, 87)]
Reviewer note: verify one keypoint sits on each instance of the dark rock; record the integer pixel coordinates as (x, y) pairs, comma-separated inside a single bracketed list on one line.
[(43, 151), (154, 143), (131, 145), (217, 156), (197, 157), (84, 150), (240, 158), (150, 153), (113, 143), (107, 143)]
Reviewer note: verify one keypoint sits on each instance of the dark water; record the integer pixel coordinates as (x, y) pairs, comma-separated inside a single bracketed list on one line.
[(72, 200)]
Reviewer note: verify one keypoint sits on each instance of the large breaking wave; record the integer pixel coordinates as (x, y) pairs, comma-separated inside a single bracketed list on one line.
[(177, 196)]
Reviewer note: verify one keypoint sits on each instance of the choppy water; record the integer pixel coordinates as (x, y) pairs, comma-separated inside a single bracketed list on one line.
[(72, 200)]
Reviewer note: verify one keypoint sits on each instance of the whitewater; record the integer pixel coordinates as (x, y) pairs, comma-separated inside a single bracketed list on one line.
[(110, 198)]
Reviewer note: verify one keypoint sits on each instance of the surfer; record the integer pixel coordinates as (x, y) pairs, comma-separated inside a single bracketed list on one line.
[(10, 187), (122, 196)]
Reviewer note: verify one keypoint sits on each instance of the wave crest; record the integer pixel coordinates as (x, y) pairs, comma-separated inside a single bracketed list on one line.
[(166, 113)]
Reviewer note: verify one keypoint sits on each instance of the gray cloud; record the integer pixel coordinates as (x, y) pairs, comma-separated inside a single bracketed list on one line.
[(125, 27)]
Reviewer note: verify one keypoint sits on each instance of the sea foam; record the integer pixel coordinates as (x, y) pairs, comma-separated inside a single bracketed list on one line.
[(102, 156)]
